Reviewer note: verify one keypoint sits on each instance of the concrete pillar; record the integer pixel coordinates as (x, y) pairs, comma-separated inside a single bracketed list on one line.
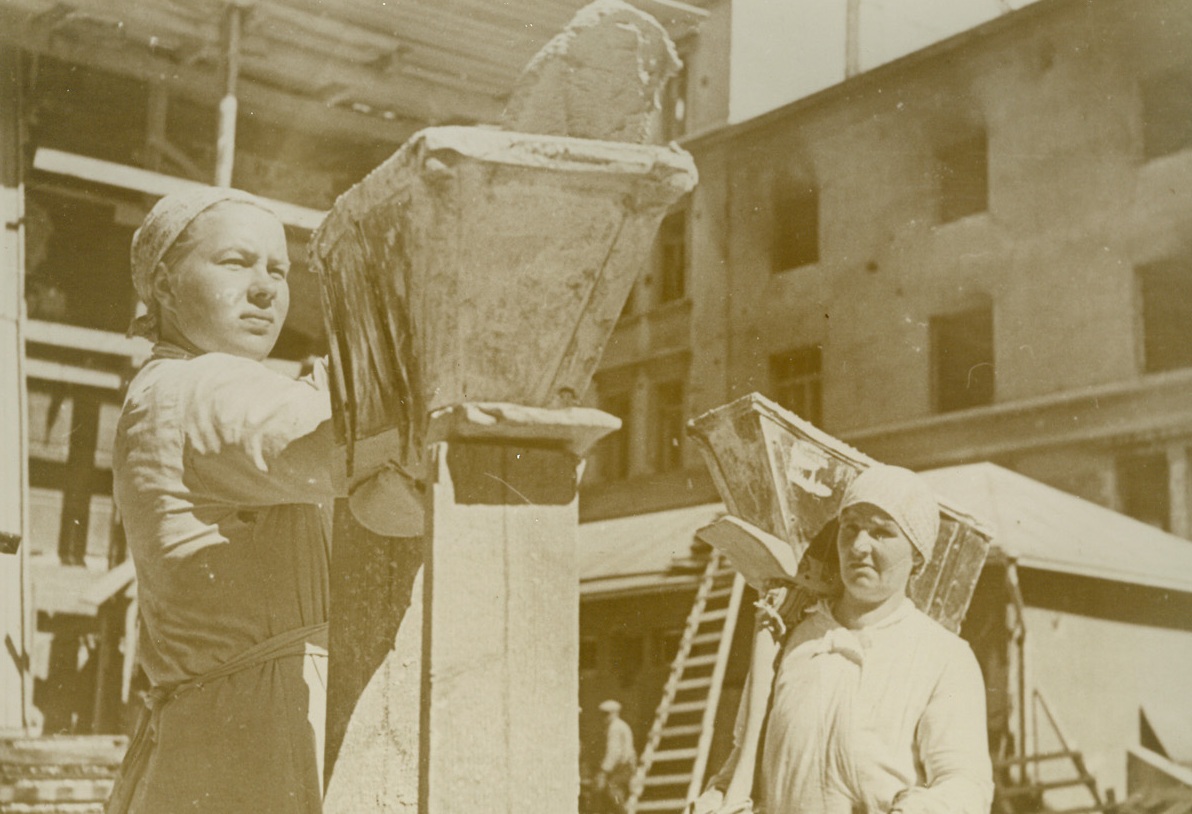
[(501, 678)]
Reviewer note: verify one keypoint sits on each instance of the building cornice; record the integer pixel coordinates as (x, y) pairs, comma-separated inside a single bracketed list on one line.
[(1153, 407)]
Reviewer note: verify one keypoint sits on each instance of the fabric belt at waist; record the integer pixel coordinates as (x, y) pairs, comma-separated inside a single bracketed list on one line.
[(309, 640)]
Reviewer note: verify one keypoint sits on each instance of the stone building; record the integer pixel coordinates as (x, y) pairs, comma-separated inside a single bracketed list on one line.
[(975, 252)]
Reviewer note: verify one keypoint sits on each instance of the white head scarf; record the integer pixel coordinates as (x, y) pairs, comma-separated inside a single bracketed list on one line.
[(904, 496), (157, 233)]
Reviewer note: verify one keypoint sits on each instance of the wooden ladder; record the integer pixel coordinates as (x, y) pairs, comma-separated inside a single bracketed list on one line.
[(1015, 797), (676, 752)]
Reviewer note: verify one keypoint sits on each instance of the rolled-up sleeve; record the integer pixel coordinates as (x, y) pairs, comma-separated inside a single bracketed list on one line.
[(256, 437), (953, 746)]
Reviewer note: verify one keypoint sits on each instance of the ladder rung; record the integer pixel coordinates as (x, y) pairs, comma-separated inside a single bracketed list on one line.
[(706, 638), (674, 754), (661, 805), (667, 780), (678, 731), (1039, 758), (1018, 791), (712, 616), (694, 683), (700, 661), (688, 706), (720, 593)]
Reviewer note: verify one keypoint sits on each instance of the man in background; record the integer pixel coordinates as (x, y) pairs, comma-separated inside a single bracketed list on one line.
[(619, 763)]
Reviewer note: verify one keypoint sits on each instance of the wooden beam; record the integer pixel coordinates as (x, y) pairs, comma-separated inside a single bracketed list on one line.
[(151, 183), (414, 40), (225, 142), (71, 374), (15, 609), (483, 46), (263, 103), (135, 349), (145, 28)]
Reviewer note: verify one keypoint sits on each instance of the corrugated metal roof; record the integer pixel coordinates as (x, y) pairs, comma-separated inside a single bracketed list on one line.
[(1043, 527)]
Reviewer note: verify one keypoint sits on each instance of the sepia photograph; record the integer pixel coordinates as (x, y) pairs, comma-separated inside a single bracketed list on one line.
[(596, 406)]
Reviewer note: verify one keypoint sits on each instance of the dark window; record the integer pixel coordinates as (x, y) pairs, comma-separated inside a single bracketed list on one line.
[(964, 177), (1166, 113), (796, 226), (614, 447), (77, 262), (1166, 293), (674, 106), (962, 357), (672, 257), (796, 381), (626, 657), (1142, 488), (668, 426)]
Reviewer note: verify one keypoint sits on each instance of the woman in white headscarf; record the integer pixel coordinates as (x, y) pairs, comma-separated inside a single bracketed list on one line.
[(223, 474), (875, 706)]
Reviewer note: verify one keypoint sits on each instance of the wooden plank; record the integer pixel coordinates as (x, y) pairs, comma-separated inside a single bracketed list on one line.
[(152, 183), (667, 780), (676, 804), (680, 731), (135, 349), (266, 104), (664, 755), (45, 370), (15, 631)]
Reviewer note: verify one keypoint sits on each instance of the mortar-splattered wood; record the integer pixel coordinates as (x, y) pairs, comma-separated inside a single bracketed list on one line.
[(480, 265), (785, 476)]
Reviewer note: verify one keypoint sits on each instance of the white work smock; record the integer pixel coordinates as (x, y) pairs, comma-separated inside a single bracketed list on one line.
[(890, 717)]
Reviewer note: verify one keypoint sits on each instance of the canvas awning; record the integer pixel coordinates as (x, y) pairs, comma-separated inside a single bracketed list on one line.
[(1050, 530), (1041, 527), (637, 553)]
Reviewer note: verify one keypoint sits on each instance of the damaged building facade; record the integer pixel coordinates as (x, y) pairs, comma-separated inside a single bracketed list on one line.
[(977, 252)]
